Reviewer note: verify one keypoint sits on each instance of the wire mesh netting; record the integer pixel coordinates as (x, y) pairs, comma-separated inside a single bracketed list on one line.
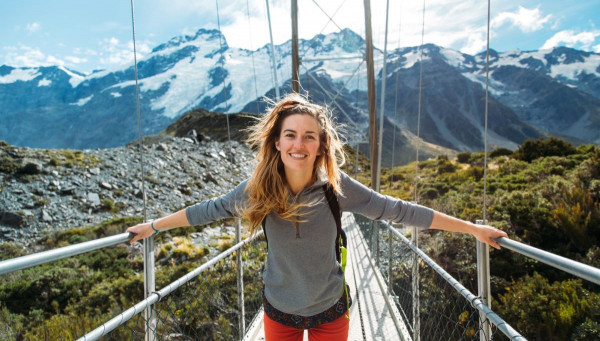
[(430, 306), (206, 307)]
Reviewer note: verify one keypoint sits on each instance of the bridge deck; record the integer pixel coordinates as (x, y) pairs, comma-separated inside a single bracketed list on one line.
[(370, 317)]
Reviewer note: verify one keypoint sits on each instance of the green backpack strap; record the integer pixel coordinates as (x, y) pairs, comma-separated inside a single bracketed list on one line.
[(341, 241)]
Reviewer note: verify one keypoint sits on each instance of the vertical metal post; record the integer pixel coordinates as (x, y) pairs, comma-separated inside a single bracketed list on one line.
[(295, 58), (390, 249), (149, 287), (240, 280), (356, 163), (376, 233), (415, 288), (371, 91), (483, 284)]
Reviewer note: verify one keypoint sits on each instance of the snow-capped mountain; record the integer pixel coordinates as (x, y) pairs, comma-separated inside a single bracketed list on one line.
[(531, 93)]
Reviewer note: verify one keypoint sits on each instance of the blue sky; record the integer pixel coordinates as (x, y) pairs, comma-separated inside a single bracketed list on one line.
[(88, 35)]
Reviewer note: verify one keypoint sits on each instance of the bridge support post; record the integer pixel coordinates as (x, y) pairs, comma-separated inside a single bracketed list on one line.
[(483, 284), (240, 280), (149, 287), (390, 251), (415, 288), (376, 234)]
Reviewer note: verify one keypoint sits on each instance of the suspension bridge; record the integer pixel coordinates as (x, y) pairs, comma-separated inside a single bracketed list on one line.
[(398, 292)]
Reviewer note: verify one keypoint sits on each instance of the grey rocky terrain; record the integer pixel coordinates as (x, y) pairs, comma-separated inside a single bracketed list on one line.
[(46, 190)]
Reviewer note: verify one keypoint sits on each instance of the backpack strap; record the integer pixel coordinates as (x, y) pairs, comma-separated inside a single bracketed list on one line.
[(334, 206), (264, 227)]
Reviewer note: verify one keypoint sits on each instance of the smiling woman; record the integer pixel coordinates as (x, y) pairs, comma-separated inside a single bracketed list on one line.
[(292, 193), (299, 146)]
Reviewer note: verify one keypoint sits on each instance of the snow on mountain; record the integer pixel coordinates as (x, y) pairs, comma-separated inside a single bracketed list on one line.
[(44, 82), (572, 71), (20, 75), (202, 71), (82, 101)]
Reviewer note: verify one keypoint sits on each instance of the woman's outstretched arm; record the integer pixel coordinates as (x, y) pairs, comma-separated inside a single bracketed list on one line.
[(144, 230), (483, 233)]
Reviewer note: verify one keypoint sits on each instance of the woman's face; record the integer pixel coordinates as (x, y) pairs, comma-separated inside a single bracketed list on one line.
[(299, 142)]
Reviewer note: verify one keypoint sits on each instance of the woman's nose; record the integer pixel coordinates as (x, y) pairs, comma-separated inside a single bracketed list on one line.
[(298, 142)]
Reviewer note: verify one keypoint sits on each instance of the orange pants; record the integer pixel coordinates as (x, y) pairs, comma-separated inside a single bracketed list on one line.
[(332, 331)]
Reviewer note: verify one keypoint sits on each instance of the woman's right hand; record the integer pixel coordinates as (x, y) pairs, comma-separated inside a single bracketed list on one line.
[(141, 231)]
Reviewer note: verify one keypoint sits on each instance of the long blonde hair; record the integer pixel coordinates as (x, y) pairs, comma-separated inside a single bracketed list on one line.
[(267, 188)]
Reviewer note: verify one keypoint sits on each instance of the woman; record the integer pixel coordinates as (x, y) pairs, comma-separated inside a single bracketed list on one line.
[(298, 153)]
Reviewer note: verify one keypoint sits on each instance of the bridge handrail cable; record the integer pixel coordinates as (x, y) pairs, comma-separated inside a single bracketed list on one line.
[(578, 269), (28, 261), (476, 301), (157, 295)]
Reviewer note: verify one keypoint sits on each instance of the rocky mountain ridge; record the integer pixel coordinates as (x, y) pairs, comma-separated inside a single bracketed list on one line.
[(48, 190), (532, 93)]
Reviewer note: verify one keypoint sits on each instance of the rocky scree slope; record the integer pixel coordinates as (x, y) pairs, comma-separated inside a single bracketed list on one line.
[(45, 190)]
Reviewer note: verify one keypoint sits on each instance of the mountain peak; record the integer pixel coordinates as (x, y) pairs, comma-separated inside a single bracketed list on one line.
[(566, 55), (202, 35)]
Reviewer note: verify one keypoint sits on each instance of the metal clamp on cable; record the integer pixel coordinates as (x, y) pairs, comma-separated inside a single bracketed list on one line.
[(157, 294), (473, 301)]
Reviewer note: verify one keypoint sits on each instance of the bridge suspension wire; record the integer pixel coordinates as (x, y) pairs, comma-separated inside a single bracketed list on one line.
[(139, 120), (485, 139), (382, 96), (347, 82), (415, 232), (223, 80), (148, 243), (273, 65), (482, 250), (252, 55), (306, 46), (328, 16), (419, 105), (396, 98), (353, 123)]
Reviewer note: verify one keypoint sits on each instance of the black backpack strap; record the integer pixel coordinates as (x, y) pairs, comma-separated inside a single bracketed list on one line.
[(334, 206), (264, 227)]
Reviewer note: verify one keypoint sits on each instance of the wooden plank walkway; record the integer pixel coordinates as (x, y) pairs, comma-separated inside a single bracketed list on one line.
[(370, 317)]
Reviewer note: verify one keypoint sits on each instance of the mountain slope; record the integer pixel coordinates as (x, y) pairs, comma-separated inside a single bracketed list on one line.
[(555, 92)]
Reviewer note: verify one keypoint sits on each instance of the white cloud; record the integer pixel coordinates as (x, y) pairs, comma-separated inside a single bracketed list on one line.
[(476, 42), (25, 56), (33, 27), (527, 20), (75, 60), (114, 53), (52, 60), (569, 38), (596, 48)]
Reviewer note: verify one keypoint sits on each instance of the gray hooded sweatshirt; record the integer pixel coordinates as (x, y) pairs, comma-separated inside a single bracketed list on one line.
[(302, 275)]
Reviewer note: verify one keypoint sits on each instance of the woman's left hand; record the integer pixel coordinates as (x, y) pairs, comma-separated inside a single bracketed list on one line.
[(487, 234)]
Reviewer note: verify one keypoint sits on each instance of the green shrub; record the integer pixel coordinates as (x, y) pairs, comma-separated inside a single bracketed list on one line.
[(463, 157), (107, 204), (8, 165), (544, 311), (533, 149), (500, 152)]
